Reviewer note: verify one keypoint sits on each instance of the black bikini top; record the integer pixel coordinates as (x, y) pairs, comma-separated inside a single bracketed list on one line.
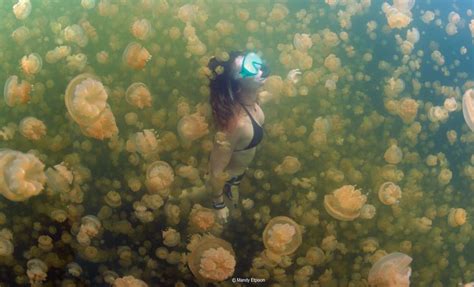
[(257, 132)]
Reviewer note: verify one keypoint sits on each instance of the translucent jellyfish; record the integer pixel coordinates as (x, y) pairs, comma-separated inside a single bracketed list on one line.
[(74, 269), (282, 235), (278, 12), (75, 34), (187, 13), (302, 42), (171, 237), (144, 142), (471, 27), (32, 128), (159, 176), (413, 35), (450, 104), (391, 270), (211, 259), (22, 9), (438, 114), (332, 62), (344, 203), (16, 93), (57, 54), (86, 102), (192, 127), (37, 271), (428, 16), (88, 4), (457, 217), (135, 56), (367, 211), (444, 176), (389, 193), (397, 16), (290, 165), (6, 244), (138, 95), (408, 110), (90, 227), (21, 35), (76, 62), (141, 29), (393, 155), (129, 281), (468, 108), (21, 175), (113, 199), (202, 220), (31, 64)]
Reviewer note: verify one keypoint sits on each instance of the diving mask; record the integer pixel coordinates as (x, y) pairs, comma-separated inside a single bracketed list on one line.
[(251, 66)]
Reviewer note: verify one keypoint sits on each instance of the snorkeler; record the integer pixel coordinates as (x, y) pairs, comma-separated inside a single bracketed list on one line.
[(238, 117)]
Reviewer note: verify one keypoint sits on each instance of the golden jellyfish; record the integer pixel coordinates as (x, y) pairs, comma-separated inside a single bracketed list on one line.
[(31, 64), (389, 193), (21, 35), (393, 155), (6, 244), (407, 110), (76, 34), (457, 217), (88, 4), (202, 219), (113, 199), (22, 175), (398, 16), (428, 16), (22, 9), (86, 102), (135, 56), (74, 269), (144, 142), (302, 42), (211, 259), (468, 108), (138, 95), (192, 127), (471, 27), (59, 178), (391, 270), (159, 176), (332, 63), (129, 281), (57, 54), (344, 203), (171, 237), (141, 29), (282, 235), (290, 165), (90, 227), (32, 128), (37, 271), (450, 104), (368, 211), (16, 93), (278, 13)]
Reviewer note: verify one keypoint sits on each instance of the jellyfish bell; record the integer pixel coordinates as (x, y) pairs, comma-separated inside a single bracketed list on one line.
[(141, 29), (282, 236), (468, 108), (16, 93), (391, 270), (211, 259), (22, 9), (22, 175), (135, 56), (159, 176), (31, 64), (192, 127), (86, 102), (138, 95), (389, 193), (345, 203)]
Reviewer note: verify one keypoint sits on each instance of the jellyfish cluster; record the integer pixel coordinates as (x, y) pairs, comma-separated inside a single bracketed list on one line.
[(364, 176)]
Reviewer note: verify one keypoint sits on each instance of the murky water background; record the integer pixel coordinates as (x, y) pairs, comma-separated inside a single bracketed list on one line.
[(363, 90)]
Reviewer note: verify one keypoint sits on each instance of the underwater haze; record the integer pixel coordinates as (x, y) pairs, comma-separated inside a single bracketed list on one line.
[(364, 177)]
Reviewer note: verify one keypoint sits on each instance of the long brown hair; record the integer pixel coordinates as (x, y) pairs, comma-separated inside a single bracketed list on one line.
[(221, 100)]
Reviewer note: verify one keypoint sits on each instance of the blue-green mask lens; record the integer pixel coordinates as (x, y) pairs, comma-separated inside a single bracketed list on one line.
[(251, 64)]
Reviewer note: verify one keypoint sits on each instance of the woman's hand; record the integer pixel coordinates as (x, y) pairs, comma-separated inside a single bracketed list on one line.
[(294, 76)]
